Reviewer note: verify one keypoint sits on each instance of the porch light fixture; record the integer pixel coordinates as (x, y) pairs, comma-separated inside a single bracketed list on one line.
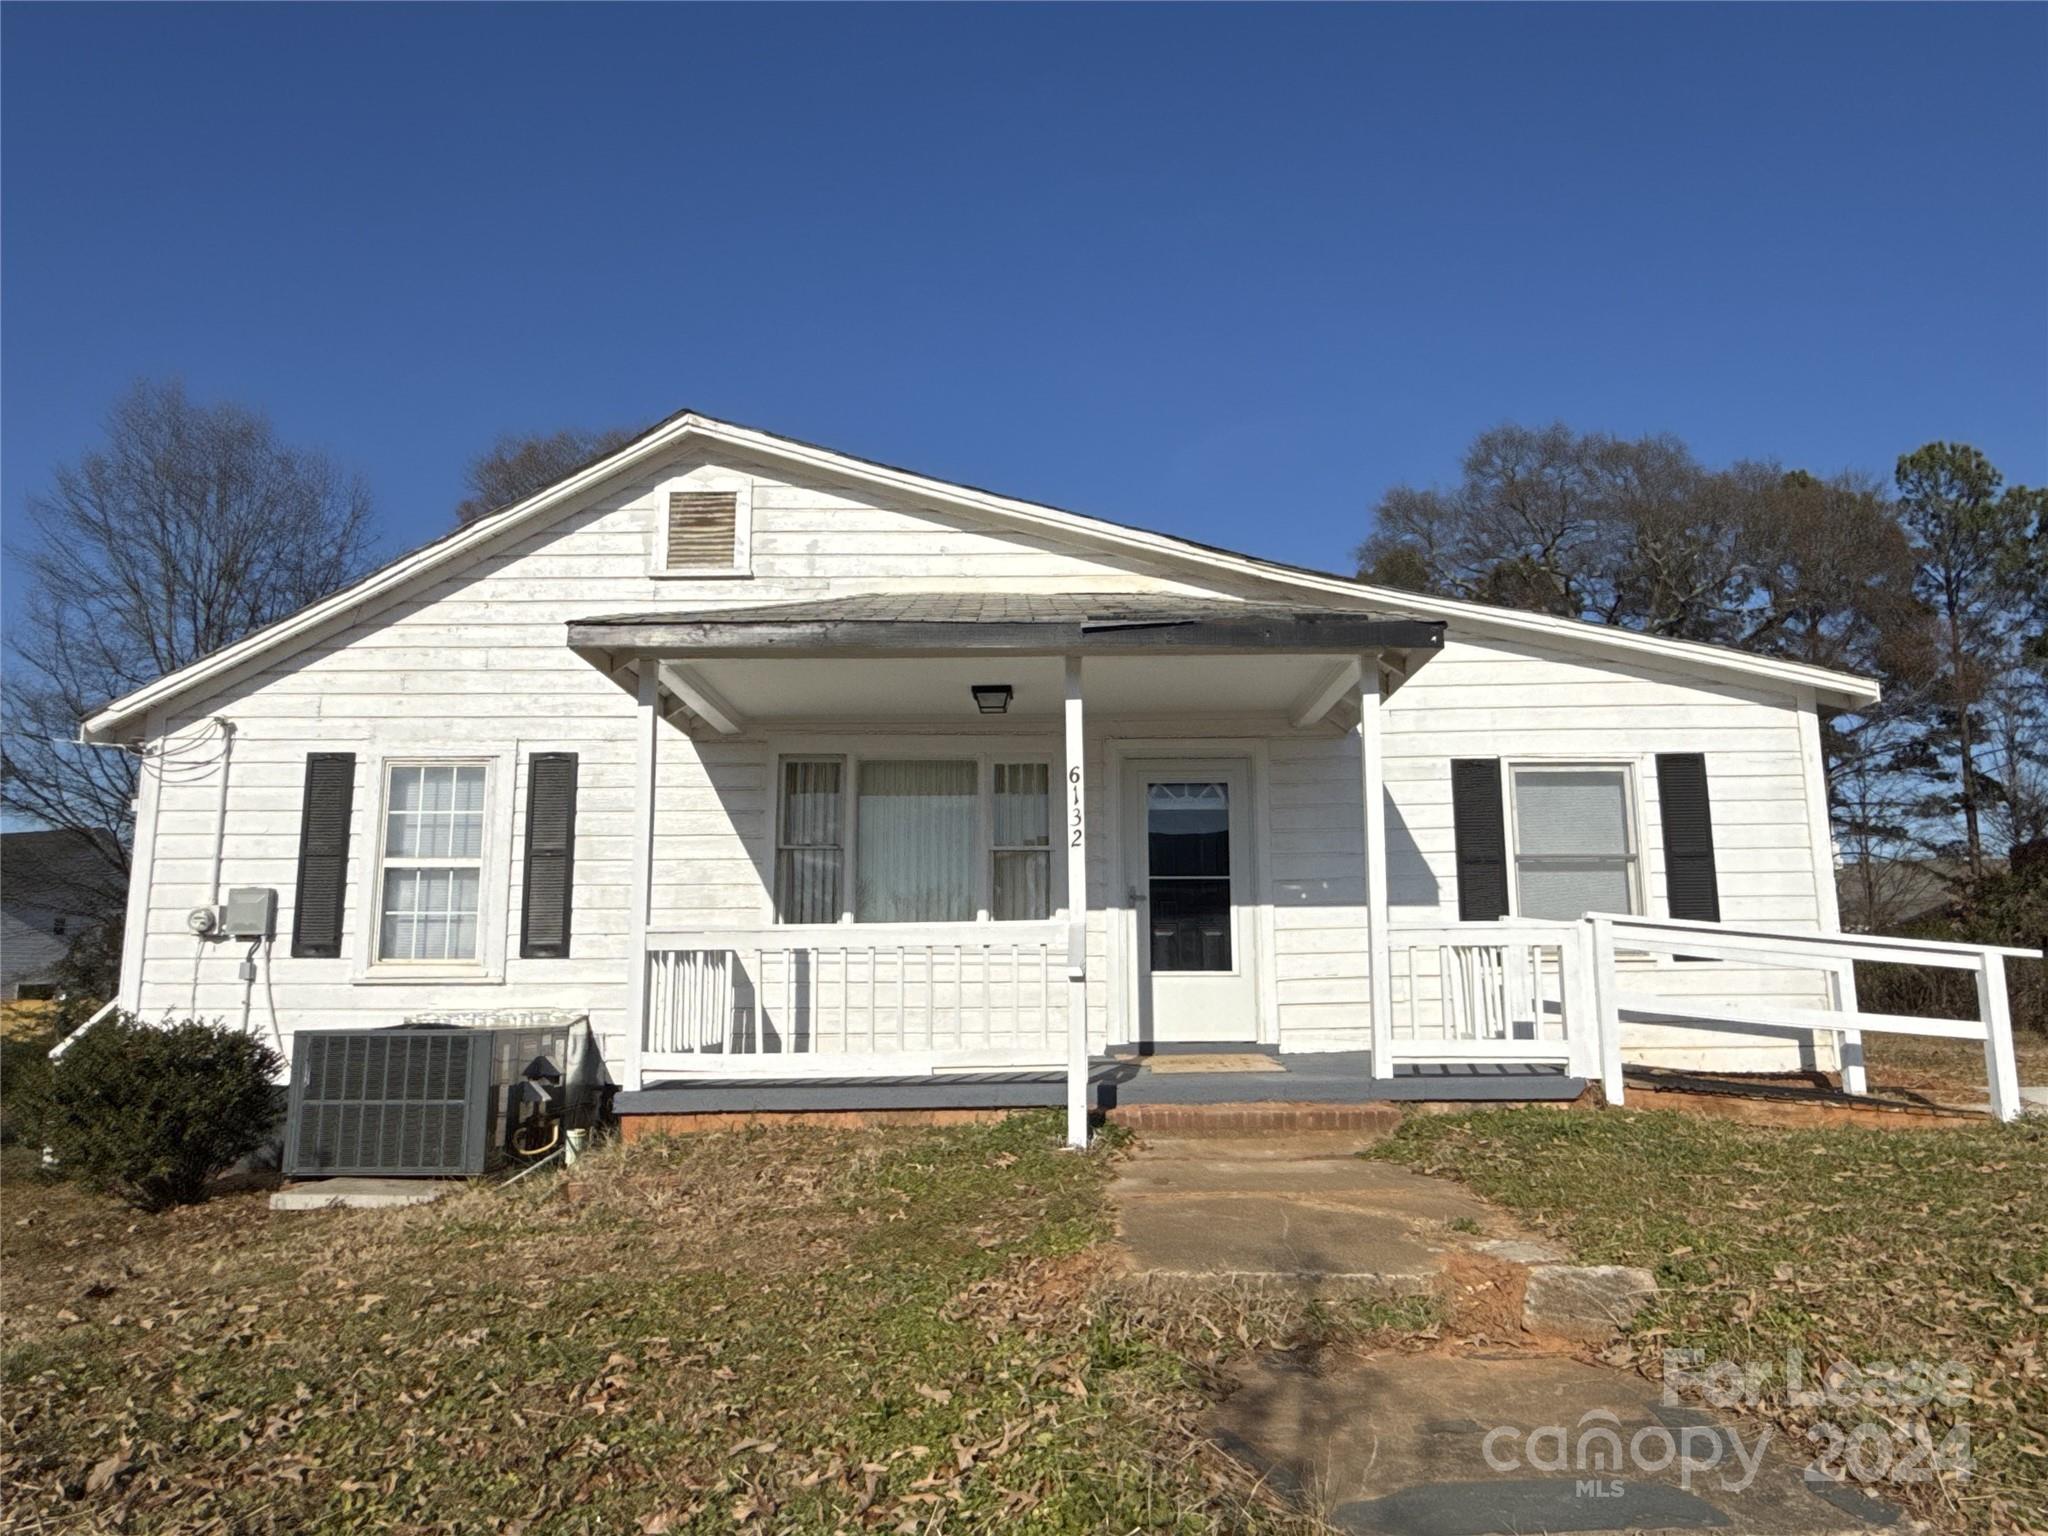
[(992, 698)]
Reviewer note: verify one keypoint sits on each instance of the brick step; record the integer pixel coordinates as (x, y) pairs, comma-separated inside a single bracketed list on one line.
[(1239, 1119)]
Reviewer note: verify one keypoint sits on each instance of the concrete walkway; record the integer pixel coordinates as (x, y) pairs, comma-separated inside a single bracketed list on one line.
[(1465, 1439), (1300, 1210), (1451, 1445)]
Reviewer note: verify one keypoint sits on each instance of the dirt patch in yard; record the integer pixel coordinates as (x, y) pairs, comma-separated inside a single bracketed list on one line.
[(1789, 1102), (1483, 1299)]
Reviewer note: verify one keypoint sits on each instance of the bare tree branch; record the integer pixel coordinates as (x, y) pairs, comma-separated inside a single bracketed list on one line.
[(191, 526)]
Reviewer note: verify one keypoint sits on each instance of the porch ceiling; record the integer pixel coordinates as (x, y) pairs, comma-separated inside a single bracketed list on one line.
[(936, 687)]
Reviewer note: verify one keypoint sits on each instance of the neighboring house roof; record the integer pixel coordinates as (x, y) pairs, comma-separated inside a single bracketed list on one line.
[(685, 427), (58, 872), (28, 951), (1046, 623), (1907, 890)]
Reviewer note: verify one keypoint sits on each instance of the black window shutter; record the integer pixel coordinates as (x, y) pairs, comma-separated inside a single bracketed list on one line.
[(1482, 839), (550, 855), (1690, 884), (323, 854)]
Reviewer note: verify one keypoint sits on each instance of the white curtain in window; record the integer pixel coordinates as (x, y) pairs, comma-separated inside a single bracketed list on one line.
[(1573, 853), (809, 846), (433, 851), (1022, 852), (430, 913), (437, 812), (916, 835)]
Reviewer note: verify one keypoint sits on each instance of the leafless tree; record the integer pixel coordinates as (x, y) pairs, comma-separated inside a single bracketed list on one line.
[(1635, 532), (2015, 764), (519, 464), (191, 526)]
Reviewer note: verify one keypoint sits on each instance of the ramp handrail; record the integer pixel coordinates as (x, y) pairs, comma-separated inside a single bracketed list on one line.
[(56, 1052), (1835, 953)]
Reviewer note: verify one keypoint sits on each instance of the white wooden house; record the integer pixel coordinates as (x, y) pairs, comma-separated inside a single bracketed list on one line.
[(785, 764)]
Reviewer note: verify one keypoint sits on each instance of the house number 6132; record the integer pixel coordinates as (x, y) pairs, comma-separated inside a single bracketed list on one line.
[(1074, 802)]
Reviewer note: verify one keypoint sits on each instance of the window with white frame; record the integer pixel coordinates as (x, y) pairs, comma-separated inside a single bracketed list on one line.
[(1020, 854), (913, 839), (809, 840), (431, 863), (1574, 839)]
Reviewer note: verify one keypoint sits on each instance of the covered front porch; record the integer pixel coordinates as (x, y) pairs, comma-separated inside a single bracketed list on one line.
[(975, 845), (1053, 773)]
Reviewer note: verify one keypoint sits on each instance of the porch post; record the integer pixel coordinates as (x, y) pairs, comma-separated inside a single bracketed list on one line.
[(1075, 835), (645, 721), (1381, 954), (1994, 1007), (1821, 839)]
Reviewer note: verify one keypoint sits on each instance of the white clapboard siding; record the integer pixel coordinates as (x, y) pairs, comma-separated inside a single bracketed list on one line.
[(1514, 700), (475, 663)]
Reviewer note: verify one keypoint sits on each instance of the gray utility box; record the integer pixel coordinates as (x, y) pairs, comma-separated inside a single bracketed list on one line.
[(417, 1100), (251, 912)]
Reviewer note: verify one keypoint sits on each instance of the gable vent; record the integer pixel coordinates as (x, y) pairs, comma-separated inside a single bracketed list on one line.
[(702, 530)]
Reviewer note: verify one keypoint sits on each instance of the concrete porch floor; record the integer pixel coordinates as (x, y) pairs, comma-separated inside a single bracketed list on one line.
[(1333, 1078)]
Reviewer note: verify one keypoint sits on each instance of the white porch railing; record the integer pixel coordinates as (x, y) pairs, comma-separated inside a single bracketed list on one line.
[(855, 999), (862, 999), (1506, 992), (1832, 954)]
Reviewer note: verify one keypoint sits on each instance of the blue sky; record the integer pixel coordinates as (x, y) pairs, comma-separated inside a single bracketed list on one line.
[(1224, 272)]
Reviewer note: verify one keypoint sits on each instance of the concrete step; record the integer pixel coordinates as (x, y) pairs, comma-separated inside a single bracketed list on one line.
[(359, 1194)]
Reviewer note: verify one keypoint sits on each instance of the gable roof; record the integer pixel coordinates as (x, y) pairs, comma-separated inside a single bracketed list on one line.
[(685, 427)]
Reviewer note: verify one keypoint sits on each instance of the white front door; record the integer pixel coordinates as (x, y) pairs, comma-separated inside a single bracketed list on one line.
[(1189, 866)]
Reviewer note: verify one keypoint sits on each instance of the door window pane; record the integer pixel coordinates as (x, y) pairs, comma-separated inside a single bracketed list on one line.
[(917, 827), (1187, 836), (1574, 853), (1191, 925), (1188, 829)]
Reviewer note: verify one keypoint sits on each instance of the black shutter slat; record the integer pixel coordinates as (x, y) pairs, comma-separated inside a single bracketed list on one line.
[(1691, 885), (322, 893), (1482, 840), (550, 855)]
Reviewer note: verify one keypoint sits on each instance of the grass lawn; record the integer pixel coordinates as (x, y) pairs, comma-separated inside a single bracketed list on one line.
[(1857, 1245), (776, 1330)]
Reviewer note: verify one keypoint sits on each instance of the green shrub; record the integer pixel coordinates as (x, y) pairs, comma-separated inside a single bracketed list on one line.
[(24, 1087), (153, 1112)]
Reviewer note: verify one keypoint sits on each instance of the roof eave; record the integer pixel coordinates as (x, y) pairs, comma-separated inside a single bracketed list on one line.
[(1313, 635)]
